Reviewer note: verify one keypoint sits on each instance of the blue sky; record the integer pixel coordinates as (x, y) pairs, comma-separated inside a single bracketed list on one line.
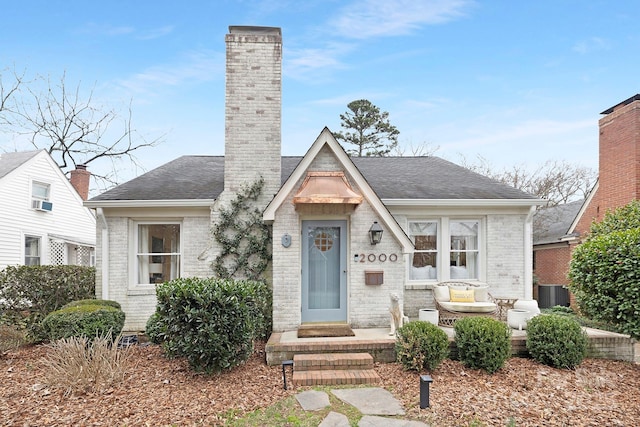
[(515, 82)]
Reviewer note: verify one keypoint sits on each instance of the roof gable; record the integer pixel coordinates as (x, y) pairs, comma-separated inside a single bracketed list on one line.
[(12, 161), (327, 140)]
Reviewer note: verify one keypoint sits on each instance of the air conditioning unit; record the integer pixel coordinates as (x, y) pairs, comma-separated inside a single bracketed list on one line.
[(41, 205)]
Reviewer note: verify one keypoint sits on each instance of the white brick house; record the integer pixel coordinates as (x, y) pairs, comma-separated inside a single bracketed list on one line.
[(439, 220)]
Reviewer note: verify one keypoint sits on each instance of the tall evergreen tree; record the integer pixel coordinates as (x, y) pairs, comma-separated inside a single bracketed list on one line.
[(368, 129)]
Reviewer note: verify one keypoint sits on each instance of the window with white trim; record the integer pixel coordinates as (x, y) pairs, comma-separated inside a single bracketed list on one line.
[(158, 252), (445, 249), (463, 254), (424, 263), (32, 250)]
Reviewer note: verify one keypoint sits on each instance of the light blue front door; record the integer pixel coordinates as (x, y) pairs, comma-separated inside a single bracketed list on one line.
[(324, 284)]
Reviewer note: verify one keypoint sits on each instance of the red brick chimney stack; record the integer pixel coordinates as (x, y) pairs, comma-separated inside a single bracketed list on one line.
[(80, 178), (619, 174)]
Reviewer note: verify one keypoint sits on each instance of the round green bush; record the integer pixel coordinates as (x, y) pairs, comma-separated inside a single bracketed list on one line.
[(421, 345), (110, 303), (89, 320), (212, 322), (483, 343), (556, 340), (155, 328)]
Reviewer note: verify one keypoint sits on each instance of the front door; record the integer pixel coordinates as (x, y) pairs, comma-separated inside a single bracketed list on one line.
[(324, 275)]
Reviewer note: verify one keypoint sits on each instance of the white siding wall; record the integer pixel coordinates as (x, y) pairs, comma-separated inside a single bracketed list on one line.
[(68, 217)]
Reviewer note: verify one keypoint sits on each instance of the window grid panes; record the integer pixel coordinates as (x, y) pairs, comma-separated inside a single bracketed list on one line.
[(158, 253), (463, 259), (424, 235), (31, 250)]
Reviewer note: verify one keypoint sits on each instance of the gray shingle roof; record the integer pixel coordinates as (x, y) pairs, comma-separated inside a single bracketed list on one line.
[(10, 161), (552, 223), (201, 177)]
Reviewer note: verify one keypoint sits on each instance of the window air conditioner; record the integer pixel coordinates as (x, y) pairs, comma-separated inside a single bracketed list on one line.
[(41, 205)]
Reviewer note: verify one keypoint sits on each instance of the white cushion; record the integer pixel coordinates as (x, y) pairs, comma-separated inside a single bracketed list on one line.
[(441, 293), (481, 293), (469, 307), (459, 272)]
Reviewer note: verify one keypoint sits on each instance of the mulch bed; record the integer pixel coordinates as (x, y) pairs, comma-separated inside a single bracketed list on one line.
[(160, 391)]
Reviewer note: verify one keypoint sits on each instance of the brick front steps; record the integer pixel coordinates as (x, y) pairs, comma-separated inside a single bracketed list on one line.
[(333, 369)]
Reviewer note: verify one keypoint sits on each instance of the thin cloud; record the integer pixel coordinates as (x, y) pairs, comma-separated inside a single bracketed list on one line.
[(592, 44), (156, 33), (379, 18), (312, 63), (195, 67)]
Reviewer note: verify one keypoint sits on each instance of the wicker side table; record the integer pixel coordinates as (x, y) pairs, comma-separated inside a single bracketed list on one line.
[(504, 305)]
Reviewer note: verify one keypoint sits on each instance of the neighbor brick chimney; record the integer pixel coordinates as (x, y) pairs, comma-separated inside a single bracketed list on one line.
[(619, 172), (253, 108), (80, 178)]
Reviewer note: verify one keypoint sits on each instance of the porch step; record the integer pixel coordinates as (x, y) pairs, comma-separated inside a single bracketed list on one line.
[(333, 369)]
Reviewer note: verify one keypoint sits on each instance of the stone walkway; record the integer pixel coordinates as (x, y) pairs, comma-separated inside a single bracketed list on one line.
[(376, 404)]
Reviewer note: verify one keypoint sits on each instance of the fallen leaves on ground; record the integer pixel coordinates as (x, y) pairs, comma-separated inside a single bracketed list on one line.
[(161, 392)]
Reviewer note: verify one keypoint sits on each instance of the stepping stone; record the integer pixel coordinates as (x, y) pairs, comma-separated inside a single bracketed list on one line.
[(335, 419), (373, 421), (313, 400), (370, 401)]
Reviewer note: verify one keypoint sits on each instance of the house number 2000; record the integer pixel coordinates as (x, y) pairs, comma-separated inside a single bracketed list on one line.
[(380, 258)]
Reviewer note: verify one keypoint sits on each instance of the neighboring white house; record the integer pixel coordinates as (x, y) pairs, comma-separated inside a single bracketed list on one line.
[(42, 219), (439, 221)]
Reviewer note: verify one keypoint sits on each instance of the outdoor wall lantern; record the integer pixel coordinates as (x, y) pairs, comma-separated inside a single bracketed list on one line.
[(375, 233)]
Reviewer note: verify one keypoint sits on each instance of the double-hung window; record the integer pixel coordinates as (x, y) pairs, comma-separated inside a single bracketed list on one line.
[(31, 250), (463, 254), (445, 249), (424, 263), (158, 252)]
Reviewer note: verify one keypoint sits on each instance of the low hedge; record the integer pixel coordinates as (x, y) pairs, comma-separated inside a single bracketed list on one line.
[(87, 320), (556, 340), (483, 343), (211, 322), (29, 292), (110, 303), (421, 345)]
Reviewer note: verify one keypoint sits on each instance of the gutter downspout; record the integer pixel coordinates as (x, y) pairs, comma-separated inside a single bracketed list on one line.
[(528, 255), (104, 249)]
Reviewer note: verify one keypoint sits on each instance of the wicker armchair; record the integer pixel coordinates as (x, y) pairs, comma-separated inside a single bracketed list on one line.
[(449, 312)]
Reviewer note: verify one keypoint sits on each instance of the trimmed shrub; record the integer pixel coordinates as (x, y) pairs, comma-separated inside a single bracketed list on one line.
[(155, 329), (28, 293), (89, 321), (110, 303), (556, 340), (605, 279), (421, 345), (483, 343), (212, 322)]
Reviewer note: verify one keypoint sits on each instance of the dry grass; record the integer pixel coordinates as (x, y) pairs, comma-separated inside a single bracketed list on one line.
[(79, 365), (11, 338)]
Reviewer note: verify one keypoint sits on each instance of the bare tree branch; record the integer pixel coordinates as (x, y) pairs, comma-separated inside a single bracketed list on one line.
[(72, 128), (559, 182)]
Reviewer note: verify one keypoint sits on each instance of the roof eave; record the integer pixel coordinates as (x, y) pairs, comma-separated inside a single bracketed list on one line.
[(148, 203), (463, 202)]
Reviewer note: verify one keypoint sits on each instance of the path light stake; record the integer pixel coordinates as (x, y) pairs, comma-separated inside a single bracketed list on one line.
[(425, 380), (286, 363)]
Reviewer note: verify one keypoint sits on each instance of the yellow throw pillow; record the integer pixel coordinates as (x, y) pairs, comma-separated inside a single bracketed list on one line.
[(461, 296)]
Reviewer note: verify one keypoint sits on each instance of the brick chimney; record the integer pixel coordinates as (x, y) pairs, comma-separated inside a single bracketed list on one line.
[(80, 178), (253, 108), (619, 171)]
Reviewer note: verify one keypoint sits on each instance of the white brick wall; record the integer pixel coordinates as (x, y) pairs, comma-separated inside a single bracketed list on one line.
[(505, 255), (367, 306), (137, 302)]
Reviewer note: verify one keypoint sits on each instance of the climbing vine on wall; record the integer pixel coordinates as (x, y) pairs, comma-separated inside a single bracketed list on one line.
[(242, 236)]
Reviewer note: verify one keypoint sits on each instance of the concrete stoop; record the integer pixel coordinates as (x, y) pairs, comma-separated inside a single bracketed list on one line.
[(334, 369)]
